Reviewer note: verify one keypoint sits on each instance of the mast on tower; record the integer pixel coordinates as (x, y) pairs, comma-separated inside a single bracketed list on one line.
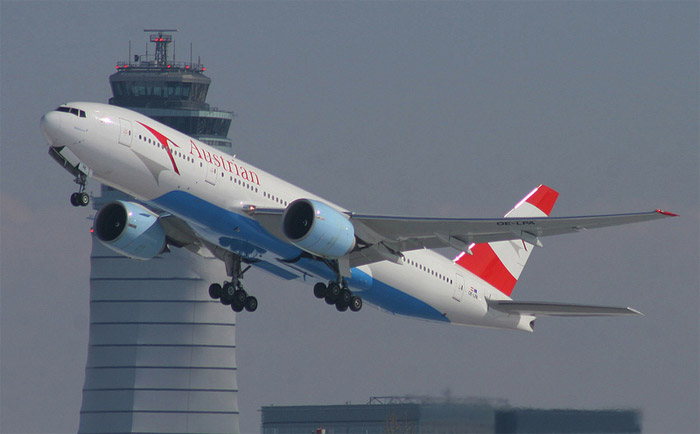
[(161, 39)]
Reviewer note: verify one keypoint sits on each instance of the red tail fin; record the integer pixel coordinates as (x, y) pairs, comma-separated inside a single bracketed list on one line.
[(500, 263)]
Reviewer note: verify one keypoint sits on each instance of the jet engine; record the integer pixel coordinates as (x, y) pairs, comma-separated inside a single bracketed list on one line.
[(318, 229), (130, 229)]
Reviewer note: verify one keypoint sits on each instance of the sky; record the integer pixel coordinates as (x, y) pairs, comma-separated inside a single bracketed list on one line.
[(448, 109)]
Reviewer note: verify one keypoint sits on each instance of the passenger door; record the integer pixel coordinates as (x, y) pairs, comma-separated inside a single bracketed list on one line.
[(125, 132), (212, 172), (459, 287)]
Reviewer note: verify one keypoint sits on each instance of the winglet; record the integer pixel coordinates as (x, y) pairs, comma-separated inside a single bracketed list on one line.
[(666, 213), (635, 311)]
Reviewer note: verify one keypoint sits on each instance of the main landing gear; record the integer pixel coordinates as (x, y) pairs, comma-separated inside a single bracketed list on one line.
[(338, 295), (232, 293), (80, 198)]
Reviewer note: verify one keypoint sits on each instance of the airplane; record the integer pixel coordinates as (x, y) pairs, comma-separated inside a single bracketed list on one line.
[(189, 195)]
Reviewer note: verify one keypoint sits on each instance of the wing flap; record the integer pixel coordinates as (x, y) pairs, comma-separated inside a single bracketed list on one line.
[(558, 309), (180, 234), (423, 230)]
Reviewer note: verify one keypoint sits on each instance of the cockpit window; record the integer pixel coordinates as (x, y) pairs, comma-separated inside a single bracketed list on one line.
[(73, 111)]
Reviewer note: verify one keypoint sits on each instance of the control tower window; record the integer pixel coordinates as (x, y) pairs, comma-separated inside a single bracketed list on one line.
[(160, 90), (177, 90), (199, 92), (173, 90), (118, 89)]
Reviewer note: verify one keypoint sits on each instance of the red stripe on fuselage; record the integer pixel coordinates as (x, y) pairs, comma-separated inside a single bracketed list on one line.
[(163, 141), (487, 265)]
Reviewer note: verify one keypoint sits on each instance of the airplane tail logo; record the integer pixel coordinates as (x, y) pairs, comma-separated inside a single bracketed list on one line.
[(500, 263)]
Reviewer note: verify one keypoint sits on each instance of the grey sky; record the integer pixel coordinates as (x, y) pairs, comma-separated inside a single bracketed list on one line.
[(421, 108)]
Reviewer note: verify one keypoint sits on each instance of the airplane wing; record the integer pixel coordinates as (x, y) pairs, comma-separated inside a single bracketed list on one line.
[(385, 237), (556, 309), (410, 233), (180, 234), (399, 234)]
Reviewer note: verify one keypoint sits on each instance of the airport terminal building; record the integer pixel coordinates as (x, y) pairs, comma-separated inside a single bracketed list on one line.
[(426, 415)]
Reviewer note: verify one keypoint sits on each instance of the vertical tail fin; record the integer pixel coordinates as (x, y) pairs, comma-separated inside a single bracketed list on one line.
[(500, 263)]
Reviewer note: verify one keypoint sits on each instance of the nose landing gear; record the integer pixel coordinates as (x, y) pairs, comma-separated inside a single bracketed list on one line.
[(79, 198)]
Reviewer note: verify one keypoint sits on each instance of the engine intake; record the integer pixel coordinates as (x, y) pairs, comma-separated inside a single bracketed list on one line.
[(317, 228), (130, 229)]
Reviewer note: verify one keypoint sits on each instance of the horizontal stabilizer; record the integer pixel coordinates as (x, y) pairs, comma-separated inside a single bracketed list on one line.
[(557, 309)]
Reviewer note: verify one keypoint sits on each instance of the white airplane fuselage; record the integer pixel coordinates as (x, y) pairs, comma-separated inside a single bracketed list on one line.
[(208, 189)]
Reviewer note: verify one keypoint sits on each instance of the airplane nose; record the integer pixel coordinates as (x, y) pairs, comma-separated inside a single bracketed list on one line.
[(51, 126)]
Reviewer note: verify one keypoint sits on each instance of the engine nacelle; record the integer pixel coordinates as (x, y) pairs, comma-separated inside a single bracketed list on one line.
[(130, 229), (317, 228)]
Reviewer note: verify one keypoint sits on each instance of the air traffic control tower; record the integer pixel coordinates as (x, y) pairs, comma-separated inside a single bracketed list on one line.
[(161, 354)]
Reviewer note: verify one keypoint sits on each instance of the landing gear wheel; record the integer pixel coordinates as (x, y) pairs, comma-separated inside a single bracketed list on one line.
[(240, 297), (215, 291), (80, 198), (251, 304), (333, 290), (83, 199), (355, 303), (237, 307), (342, 307), (225, 300), (345, 297), (320, 290), (229, 290)]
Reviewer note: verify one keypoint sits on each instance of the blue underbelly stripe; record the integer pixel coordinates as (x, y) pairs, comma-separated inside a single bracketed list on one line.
[(249, 237), (395, 301), (252, 240)]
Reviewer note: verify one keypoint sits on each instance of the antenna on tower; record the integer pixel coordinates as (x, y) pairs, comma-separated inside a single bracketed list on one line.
[(162, 38)]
